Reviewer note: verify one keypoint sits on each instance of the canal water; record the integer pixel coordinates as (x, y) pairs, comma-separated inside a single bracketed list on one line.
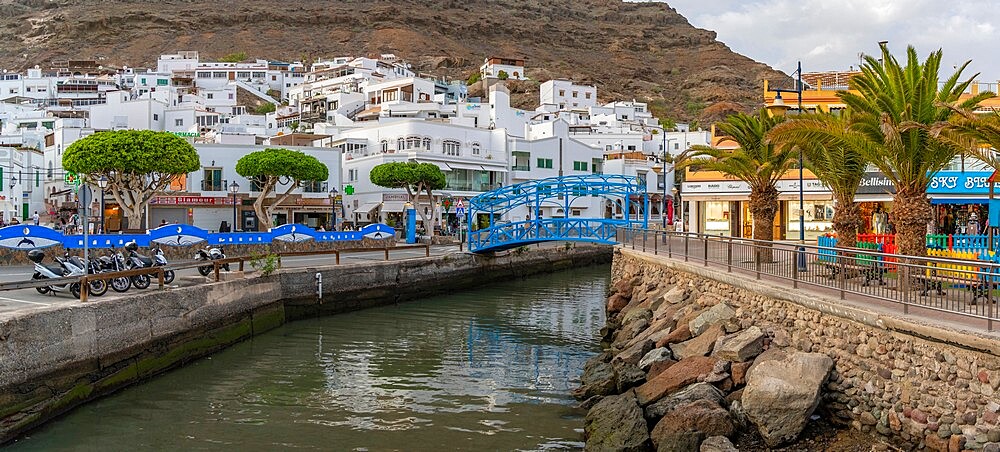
[(486, 369)]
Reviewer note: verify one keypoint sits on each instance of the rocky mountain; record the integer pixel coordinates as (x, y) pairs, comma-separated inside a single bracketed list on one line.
[(645, 51)]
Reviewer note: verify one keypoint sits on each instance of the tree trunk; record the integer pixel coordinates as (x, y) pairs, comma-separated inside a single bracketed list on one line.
[(847, 220), (264, 213), (763, 206), (911, 211)]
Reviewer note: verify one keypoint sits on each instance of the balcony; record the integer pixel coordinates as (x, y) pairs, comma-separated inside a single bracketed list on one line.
[(213, 185)]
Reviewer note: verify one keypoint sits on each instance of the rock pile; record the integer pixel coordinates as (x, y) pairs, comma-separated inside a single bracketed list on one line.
[(682, 373)]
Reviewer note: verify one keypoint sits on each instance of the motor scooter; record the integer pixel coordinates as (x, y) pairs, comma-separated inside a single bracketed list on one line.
[(210, 254), (43, 271)]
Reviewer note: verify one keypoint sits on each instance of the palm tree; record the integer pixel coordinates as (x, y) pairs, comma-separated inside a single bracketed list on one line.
[(837, 165), (892, 117), (756, 161), (979, 134)]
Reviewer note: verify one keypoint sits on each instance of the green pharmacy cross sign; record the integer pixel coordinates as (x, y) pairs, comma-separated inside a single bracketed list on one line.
[(72, 178)]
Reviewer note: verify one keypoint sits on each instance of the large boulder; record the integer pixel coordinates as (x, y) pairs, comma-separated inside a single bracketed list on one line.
[(616, 303), (679, 334), (629, 331), (679, 442), (700, 345), (675, 295), (741, 346), (633, 354), (627, 375), (675, 377), (636, 314), (654, 356), (704, 416), (616, 424), (598, 378), (711, 316), (692, 393), (782, 392)]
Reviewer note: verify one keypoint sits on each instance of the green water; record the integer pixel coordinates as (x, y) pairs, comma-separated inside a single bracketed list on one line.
[(489, 369)]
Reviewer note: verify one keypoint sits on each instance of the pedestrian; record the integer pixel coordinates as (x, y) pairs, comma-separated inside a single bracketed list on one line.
[(35, 218), (163, 222)]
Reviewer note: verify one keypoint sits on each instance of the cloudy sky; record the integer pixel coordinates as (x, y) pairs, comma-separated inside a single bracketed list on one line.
[(828, 35)]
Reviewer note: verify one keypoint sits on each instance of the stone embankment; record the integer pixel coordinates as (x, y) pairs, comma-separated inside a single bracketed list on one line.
[(696, 357), (56, 358)]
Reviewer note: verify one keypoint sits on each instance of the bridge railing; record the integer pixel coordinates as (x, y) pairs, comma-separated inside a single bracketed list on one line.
[(936, 288), (509, 235)]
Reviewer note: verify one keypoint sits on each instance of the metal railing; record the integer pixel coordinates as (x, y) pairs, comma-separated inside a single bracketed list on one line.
[(935, 287)]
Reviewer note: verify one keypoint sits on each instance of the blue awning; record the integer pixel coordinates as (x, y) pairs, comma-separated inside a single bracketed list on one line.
[(960, 201)]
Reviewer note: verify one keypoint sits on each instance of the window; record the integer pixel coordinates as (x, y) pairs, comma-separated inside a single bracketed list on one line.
[(475, 148), (574, 93), (142, 80), (352, 175), (218, 75), (385, 146), (544, 163), (562, 92), (608, 148), (156, 117), (597, 165), (179, 122), (212, 180), (587, 95), (162, 82), (631, 147), (677, 146), (401, 144), (413, 143), (449, 147), (427, 144), (200, 75), (242, 75), (521, 161), (579, 166), (210, 96)]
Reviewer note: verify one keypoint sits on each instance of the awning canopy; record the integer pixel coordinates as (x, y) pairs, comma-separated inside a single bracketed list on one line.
[(466, 166), (393, 206), (367, 207), (959, 201), (444, 166)]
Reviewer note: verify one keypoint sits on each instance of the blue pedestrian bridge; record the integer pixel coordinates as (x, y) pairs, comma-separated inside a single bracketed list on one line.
[(566, 192)]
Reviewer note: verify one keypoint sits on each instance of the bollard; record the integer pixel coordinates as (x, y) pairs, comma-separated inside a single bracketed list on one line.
[(427, 251), (387, 253), (216, 265), (159, 277), (319, 287), (84, 289)]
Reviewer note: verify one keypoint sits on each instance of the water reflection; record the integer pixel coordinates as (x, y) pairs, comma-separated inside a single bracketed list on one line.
[(490, 369)]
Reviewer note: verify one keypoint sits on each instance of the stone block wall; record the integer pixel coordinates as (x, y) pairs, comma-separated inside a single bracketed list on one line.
[(914, 385)]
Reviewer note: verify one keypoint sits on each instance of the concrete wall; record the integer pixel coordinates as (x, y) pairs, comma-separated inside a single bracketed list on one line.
[(912, 384), (56, 358)]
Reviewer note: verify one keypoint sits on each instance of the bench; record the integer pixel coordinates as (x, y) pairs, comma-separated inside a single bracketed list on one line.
[(936, 276), (861, 264)]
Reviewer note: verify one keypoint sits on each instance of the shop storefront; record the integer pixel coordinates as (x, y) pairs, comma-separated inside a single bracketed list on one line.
[(723, 208), (874, 198), (960, 201)]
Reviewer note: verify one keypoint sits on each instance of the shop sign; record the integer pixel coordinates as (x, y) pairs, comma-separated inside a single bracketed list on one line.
[(187, 134), (715, 187), (191, 201), (402, 197), (875, 183)]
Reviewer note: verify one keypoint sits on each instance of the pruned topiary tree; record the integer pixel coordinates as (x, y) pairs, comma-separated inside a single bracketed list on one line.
[(271, 167), (138, 165), (416, 178)]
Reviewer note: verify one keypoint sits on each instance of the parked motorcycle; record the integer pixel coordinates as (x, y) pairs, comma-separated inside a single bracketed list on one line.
[(210, 254), (137, 260), (114, 261), (43, 271), (77, 265)]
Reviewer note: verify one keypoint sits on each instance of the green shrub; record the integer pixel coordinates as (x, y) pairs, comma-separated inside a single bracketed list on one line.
[(266, 263)]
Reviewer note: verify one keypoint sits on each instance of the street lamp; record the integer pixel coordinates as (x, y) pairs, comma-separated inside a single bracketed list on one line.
[(661, 169), (234, 188), (13, 201), (102, 182), (779, 108), (333, 208)]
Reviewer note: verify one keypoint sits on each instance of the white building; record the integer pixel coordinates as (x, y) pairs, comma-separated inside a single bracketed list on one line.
[(513, 67), (566, 95)]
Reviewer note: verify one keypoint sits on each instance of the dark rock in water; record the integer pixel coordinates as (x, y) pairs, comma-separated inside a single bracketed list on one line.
[(703, 416), (616, 424), (598, 378), (589, 403), (628, 376), (692, 393)]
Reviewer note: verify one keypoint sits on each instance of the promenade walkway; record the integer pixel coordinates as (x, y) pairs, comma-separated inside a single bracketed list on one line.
[(940, 292)]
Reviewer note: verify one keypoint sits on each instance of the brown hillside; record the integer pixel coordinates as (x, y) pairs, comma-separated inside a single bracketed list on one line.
[(629, 50)]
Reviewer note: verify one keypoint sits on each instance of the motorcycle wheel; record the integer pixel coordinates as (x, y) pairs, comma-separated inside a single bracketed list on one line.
[(98, 287), (120, 285), (74, 289), (205, 270), (140, 281), (168, 277), (225, 267), (44, 289)]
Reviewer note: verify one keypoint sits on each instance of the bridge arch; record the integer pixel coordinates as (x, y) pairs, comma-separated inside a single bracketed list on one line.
[(563, 193)]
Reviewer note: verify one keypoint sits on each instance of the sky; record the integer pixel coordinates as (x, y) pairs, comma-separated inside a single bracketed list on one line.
[(829, 35)]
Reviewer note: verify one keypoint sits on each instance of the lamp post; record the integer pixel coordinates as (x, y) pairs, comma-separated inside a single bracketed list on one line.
[(102, 182), (333, 208), (234, 188), (661, 169), (779, 108), (13, 201)]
